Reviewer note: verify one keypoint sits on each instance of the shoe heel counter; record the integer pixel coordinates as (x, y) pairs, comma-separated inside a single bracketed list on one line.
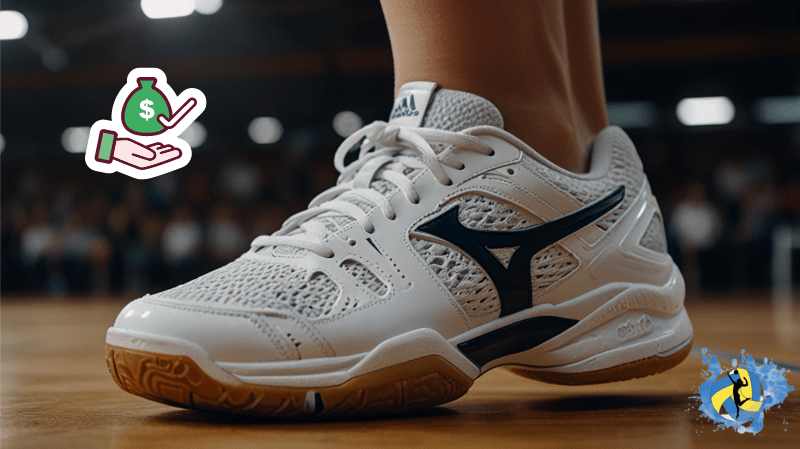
[(655, 236)]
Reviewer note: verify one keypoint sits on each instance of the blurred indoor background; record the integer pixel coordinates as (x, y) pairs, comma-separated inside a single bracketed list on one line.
[(708, 90)]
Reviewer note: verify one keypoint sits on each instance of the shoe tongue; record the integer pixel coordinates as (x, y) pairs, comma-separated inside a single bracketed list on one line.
[(424, 104)]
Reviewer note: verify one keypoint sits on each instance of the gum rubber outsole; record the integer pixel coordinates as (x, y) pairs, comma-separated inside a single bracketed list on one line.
[(177, 380), (425, 382), (632, 370)]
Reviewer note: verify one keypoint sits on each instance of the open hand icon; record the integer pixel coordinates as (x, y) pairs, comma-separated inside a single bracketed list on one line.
[(133, 153)]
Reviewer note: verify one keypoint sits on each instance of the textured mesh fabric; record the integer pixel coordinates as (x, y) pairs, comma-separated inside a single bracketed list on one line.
[(471, 286), (615, 152), (481, 212), (281, 286), (452, 110), (365, 277), (654, 237), (625, 169), (257, 284), (466, 280), (550, 266)]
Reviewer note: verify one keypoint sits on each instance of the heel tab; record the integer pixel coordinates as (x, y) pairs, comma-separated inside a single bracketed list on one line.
[(612, 146)]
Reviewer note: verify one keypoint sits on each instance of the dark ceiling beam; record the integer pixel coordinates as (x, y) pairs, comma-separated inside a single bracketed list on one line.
[(700, 49), (213, 69), (685, 50)]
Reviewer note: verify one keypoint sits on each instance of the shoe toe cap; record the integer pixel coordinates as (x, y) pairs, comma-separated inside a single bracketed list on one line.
[(225, 336)]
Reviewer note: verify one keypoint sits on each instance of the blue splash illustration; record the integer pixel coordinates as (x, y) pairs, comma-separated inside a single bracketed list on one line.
[(773, 382)]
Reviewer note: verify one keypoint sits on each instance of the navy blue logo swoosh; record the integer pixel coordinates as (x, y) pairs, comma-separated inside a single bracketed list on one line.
[(513, 283)]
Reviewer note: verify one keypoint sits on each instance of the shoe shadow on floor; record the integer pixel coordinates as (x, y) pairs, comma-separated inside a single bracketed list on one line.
[(465, 409)]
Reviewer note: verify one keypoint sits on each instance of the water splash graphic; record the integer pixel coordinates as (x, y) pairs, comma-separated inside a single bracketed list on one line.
[(773, 382)]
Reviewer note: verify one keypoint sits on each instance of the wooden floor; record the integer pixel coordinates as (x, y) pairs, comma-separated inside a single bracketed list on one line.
[(57, 393)]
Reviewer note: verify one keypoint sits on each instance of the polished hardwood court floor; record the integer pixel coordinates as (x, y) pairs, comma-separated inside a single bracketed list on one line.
[(55, 392)]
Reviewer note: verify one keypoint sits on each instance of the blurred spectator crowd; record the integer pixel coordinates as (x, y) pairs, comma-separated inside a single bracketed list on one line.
[(720, 228), (66, 229)]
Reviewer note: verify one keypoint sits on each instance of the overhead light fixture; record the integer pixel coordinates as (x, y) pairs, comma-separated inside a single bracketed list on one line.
[(75, 139), (265, 130), (195, 134), (346, 123), (705, 111), (777, 110), (13, 25), (207, 7), (631, 114), (165, 9)]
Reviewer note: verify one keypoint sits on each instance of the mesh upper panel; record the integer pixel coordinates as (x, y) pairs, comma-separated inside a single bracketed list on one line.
[(625, 170), (452, 110), (261, 285), (365, 277), (481, 212), (550, 266), (466, 280), (654, 237)]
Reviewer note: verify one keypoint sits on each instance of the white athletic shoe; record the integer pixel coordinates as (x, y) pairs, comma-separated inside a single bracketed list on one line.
[(447, 248)]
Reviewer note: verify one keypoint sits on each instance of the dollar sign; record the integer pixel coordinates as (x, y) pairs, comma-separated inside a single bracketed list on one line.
[(148, 111)]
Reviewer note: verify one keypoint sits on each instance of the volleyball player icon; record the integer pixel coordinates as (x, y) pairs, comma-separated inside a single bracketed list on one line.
[(737, 386)]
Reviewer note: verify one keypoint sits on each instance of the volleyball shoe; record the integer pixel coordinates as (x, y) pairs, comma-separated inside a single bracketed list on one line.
[(447, 248)]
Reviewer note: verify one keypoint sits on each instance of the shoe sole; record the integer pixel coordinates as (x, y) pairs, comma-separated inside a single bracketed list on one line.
[(426, 382), (627, 371), (179, 381), (643, 330)]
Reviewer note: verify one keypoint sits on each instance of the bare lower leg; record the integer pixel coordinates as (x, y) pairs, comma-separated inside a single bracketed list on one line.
[(537, 61)]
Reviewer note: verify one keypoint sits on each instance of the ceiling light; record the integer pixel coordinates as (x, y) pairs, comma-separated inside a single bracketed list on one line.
[(13, 25), (705, 111), (75, 139), (265, 130), (164, 9)]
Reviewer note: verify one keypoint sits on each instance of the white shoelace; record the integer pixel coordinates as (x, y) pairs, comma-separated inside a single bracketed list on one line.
[(386, 151)]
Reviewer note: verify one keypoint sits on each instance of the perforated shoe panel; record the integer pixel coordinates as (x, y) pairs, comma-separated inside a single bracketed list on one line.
[(625, 168), (466, 280), (654, 237), (259, 284), (486, 213), (469, 284), (365, 277), (453, 111)]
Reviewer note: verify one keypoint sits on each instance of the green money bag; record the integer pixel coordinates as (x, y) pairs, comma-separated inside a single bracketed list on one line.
[(144, 105)]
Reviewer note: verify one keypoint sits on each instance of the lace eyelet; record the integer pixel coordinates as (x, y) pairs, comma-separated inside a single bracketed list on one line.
[(492, 153), (510, 171), (351, 242), (449, 183)]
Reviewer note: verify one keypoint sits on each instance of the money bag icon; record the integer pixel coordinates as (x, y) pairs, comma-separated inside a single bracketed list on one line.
[(140, 114)]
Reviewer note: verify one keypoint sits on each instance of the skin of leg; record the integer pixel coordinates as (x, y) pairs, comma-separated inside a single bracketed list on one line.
[(538, 61)]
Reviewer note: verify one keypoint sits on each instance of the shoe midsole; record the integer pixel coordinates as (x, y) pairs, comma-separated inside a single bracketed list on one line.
[(628, 322)]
